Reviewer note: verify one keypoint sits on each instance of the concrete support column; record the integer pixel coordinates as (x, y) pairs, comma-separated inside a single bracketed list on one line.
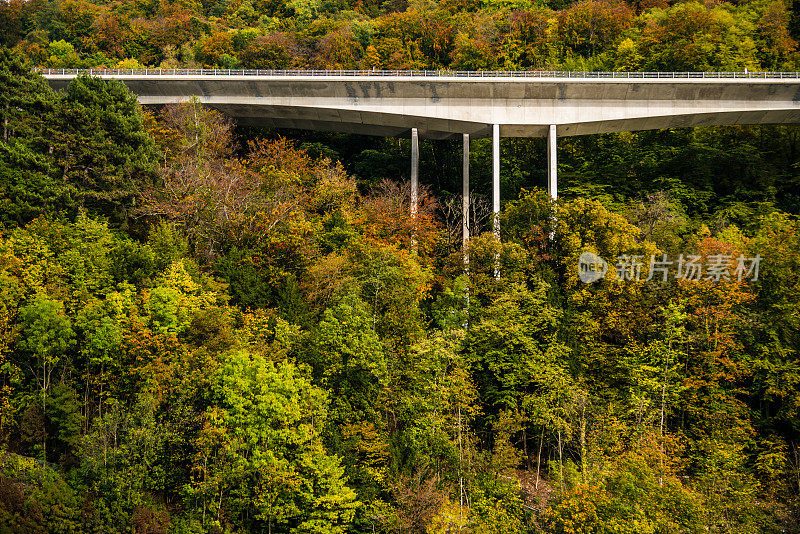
[(414, 183), (496, 179), (552, 162), (496, 192), (465, 201), (465, 224), (414, 171)]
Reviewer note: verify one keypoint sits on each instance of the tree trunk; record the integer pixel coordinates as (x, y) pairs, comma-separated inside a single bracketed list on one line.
[(460, 469), (797, 465), (560, 460), (661, 424), (539, 458), (583, 440), (525, 447), (45, 382), (85, 423)]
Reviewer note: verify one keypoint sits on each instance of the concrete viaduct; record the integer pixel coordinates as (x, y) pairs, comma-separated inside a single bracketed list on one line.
[(447, 105)]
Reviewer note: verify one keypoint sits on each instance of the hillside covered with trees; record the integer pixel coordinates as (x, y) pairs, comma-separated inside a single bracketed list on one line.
[(396, 34), (212, 328)]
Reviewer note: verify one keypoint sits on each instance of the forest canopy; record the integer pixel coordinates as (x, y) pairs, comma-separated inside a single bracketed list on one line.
[(396, 34)]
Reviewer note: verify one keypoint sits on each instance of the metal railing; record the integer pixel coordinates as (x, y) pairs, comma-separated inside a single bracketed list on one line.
[(422, 73)]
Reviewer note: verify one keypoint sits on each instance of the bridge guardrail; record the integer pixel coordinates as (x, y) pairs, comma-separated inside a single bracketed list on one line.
[(421, 73)]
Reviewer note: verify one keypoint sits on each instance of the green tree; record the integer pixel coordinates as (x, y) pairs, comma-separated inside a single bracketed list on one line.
[(276, 469), (351, 364), (100, 145), (46, 336), (27, 183)]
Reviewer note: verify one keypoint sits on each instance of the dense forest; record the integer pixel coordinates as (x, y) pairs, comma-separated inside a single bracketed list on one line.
[(212, 328), (396, 34)]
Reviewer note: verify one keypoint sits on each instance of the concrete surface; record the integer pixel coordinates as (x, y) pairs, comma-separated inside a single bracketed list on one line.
[(444, 107)]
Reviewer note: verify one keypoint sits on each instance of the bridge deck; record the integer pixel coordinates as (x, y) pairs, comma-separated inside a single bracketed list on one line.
[(445, 104)]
